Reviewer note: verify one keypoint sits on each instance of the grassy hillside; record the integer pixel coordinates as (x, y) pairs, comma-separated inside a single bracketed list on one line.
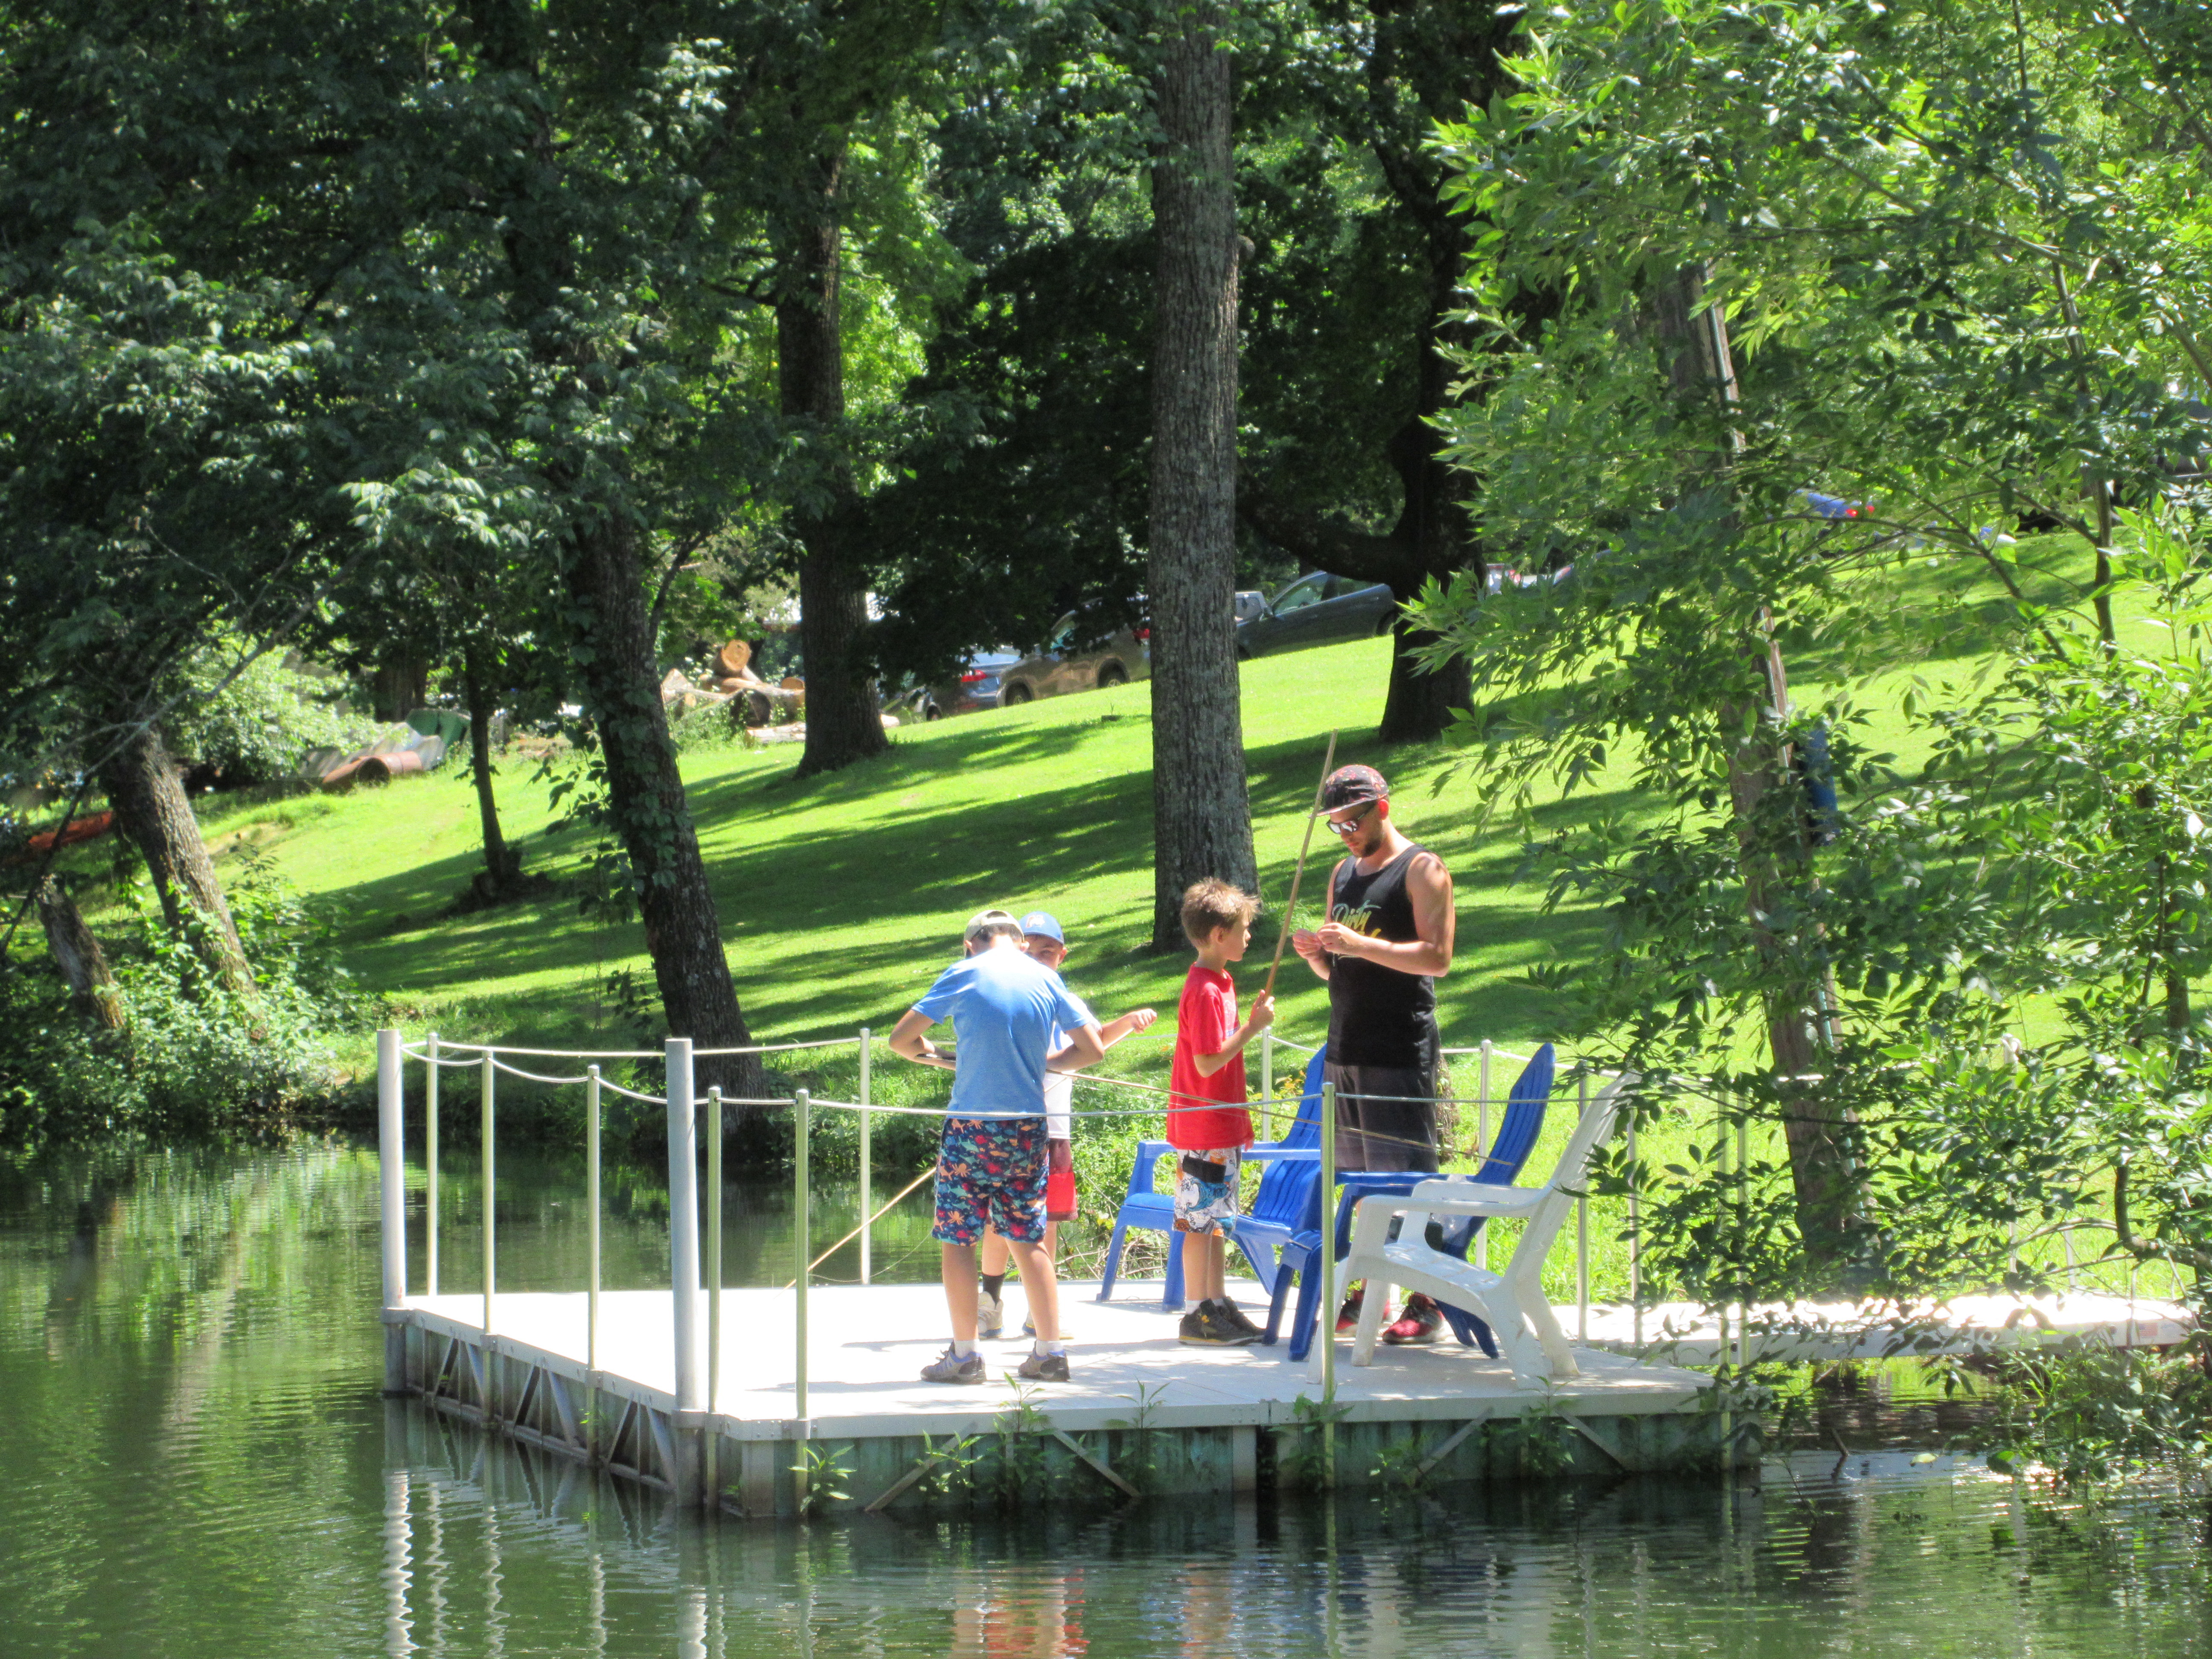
[(840, 897)]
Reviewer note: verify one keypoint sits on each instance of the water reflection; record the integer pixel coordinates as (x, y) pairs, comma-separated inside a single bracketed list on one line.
[(1893, 1560), (199, 1466)]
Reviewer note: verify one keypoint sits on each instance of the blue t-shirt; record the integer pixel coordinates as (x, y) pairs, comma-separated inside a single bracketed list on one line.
[(1005, 1007)]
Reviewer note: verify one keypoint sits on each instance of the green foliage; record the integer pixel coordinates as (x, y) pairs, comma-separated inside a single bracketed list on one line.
[(2090, 1413), (261, 722), (1402, 1466), (950, 1469), (198, 1056), (823, 1471), (1308, 1462)]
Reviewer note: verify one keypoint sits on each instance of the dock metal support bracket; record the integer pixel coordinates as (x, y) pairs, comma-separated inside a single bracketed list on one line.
[(1096, 1465), (1451, 1443), (1587, 1433), (921, 1466)]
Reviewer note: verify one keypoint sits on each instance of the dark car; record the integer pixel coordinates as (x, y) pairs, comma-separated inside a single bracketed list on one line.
[(1320, 608), (975, 687)]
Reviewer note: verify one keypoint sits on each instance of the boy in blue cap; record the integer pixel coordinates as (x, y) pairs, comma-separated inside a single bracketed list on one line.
[(1045, 941), (1006, 1010)]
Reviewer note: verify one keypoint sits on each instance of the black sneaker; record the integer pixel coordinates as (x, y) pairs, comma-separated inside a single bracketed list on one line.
[(1208, 1327), (1043, 1368), (1236, 1316), (949, 1367)]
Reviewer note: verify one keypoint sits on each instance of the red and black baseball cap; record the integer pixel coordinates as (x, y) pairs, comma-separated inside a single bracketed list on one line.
[(1353, 785)]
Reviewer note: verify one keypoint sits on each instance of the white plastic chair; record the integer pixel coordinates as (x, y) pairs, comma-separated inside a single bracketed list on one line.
[(1512, 1303)]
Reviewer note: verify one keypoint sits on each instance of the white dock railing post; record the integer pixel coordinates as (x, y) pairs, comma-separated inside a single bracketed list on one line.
[(1325, 1334), (867, 1168), (1482, 1147), (802, 1113), (592, 1203), (392, 1171), (1742, 1209), (490, 1075), (683, 1223), (1267, 1083), (714, 1249), (1582, 1214), (430, 1166), (1635, 1219)]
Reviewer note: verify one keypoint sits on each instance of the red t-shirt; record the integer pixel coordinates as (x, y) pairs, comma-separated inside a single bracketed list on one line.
[(1205, 1021)]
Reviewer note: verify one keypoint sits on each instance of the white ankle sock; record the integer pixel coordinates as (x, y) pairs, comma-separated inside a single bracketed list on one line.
[(1041, 1347), (962, 1350)]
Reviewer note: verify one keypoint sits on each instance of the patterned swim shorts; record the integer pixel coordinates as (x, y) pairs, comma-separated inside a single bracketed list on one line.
[(1206, 1189), (991, 1172)]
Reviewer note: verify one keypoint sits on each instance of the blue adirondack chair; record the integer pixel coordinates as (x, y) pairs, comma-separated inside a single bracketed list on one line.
[(1147, 1209), (1299, 1254)]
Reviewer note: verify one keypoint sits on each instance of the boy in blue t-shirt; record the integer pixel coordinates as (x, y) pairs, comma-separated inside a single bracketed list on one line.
[(1005, 1006)]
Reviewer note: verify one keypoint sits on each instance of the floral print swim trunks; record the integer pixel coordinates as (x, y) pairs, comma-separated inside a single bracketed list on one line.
[(1206, 1189), (991, 1172)]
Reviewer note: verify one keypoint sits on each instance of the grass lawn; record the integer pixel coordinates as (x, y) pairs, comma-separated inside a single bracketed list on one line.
[(842, 896)]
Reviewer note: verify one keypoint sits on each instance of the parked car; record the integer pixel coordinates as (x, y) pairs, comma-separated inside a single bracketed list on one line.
[(977, 686), (1072, 662), (1319, 608), (1249, 603)]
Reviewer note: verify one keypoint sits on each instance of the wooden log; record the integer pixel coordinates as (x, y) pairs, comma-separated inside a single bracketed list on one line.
[(733, 661), (760, 703)]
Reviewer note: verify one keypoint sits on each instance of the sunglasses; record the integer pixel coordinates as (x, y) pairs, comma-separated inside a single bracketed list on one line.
[(1351, 825)]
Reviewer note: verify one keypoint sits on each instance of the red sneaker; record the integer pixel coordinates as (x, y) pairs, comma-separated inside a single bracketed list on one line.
[(1347, 1317), (1417, 1325)]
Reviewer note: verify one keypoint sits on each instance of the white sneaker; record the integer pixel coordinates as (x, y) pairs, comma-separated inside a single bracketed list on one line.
[(990, 1318), (1029, 1326)]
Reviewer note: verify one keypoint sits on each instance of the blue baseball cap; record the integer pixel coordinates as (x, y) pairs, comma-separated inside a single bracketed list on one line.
[(1041, 923)]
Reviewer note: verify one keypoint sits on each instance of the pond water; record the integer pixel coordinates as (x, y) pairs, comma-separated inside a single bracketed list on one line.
[(199, 1463)]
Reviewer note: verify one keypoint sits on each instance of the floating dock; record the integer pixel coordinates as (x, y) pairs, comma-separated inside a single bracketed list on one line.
[(1141, 1415), (777, 1403)]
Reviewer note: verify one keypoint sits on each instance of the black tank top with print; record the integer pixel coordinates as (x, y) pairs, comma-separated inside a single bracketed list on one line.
[(1377, 1015)]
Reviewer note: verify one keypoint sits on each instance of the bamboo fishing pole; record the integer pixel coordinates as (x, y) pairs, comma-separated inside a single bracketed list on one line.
[(1291, 910)]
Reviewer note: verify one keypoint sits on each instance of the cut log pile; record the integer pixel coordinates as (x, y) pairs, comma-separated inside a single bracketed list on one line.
[(732, 681)]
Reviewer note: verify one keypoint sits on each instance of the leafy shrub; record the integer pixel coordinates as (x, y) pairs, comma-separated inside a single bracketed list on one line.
[(197, 1057), (2089, 1413), (257, 728)]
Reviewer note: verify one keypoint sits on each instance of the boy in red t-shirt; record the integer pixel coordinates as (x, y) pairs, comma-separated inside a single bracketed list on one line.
[(1207, 1122)]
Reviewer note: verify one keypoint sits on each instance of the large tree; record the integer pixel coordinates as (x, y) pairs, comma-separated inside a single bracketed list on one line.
[(1201, 809), (1375, 79)]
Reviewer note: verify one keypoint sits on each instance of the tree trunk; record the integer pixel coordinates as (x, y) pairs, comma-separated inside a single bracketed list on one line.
[(843, 723), (152, 809), (646, 806), (80, 957), (1201, 813), (502, 865), (401, 685), (1433, 524), (1799, 1035), (603, 574)]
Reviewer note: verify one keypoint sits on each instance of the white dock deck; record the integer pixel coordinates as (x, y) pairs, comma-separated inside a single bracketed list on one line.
[(868, 1345)]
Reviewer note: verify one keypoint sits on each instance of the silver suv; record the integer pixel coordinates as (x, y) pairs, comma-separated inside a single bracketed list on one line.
[(1069, 663)]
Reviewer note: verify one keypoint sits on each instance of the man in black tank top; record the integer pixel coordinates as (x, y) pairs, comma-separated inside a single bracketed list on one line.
[(1388, 938)]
